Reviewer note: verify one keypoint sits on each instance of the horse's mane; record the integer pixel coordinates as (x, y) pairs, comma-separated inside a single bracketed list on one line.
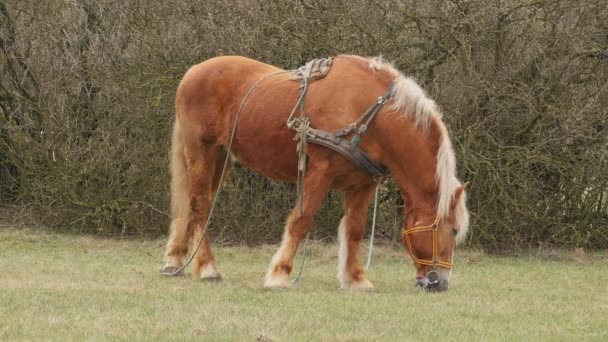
[(411, 101)]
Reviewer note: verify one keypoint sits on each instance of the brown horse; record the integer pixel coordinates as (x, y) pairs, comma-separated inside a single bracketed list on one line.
[(407, 137)]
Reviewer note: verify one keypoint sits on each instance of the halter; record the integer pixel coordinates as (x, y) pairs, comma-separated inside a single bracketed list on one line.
[(435, 260)]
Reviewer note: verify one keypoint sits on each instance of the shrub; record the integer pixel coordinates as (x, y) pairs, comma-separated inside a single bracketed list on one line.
[(86, 104)]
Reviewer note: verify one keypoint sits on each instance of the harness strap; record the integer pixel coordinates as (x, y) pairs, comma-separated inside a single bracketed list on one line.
[(350, 149), (315, 69), (370, 114), (347, 149), (334, 140), (435, 260)]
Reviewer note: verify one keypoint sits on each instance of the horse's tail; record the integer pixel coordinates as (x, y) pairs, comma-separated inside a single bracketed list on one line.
[(180, 199)]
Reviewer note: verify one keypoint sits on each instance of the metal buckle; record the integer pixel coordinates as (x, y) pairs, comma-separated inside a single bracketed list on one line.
[(432, 277), (351, 127), (381, 100)]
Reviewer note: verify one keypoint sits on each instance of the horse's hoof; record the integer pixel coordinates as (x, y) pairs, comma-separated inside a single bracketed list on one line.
[(171, 271), (361, 286), (210, 273), (277, 282), (212, 279)]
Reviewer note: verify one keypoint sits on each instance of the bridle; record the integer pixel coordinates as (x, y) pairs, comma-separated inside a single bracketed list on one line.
[(434, 261)]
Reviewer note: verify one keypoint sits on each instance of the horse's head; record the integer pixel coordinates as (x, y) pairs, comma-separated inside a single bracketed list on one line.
[(431, 239), (417, 152)]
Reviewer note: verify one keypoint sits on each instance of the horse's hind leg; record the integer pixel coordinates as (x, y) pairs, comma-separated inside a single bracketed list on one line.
[(352, 228), (298, 224), (204, 267), (195, 173), (205, 167)]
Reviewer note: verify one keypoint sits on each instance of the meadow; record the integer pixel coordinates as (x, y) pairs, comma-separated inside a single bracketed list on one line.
[(87, 92), (66, 287)]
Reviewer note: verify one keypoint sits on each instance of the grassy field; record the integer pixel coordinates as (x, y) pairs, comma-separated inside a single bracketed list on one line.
[(59, 287)]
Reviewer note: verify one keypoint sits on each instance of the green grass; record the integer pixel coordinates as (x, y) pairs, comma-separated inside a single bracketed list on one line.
[(61, 287)]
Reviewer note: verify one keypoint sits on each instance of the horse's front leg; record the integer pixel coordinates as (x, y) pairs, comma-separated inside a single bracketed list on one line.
[(352, 228), (299, 222)]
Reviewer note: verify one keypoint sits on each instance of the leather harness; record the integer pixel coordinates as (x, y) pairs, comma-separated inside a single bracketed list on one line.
[(338, 140)]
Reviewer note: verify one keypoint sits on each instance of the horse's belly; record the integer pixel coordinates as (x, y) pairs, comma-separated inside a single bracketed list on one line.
[(267, 149)]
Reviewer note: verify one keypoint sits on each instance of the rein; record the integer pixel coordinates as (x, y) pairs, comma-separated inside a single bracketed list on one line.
[(434, 261)]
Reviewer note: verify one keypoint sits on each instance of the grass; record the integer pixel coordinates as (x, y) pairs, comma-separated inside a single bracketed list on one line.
[(61, 287)]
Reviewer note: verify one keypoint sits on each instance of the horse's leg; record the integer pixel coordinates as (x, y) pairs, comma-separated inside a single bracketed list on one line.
[(298, 224), (352, 228), (183, 223), (205, 167)]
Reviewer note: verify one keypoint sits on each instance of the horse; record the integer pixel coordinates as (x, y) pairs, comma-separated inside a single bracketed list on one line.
[(407, 137)]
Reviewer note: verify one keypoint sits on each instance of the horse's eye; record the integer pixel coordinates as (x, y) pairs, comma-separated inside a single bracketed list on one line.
[(454, 231)]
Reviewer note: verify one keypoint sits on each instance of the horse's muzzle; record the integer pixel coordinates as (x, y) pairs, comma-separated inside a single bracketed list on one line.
[(432, 282)]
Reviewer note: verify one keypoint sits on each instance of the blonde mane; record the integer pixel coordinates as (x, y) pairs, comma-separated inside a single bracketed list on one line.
[(411, 101)]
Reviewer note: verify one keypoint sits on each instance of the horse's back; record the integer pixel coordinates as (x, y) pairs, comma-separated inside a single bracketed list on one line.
[(222, 69)]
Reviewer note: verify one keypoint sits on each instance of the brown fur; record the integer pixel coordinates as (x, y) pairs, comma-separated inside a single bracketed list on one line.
[(206, 103)]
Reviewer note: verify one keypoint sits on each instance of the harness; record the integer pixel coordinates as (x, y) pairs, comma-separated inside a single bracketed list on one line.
[(337, 140), (434, 261)]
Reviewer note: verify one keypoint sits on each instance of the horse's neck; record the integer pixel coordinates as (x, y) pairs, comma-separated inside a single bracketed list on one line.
[(411, 160)]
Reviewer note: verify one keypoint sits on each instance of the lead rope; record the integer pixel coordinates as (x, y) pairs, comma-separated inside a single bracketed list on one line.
[(371, 239), (300, 187), (301, 149), (216, 195), (301, 126)]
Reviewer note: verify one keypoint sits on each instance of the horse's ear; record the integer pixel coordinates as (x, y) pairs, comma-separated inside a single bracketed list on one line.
[(458, 193)]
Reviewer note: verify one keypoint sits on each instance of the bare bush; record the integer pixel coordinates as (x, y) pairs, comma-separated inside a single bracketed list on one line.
[(86, 103)]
